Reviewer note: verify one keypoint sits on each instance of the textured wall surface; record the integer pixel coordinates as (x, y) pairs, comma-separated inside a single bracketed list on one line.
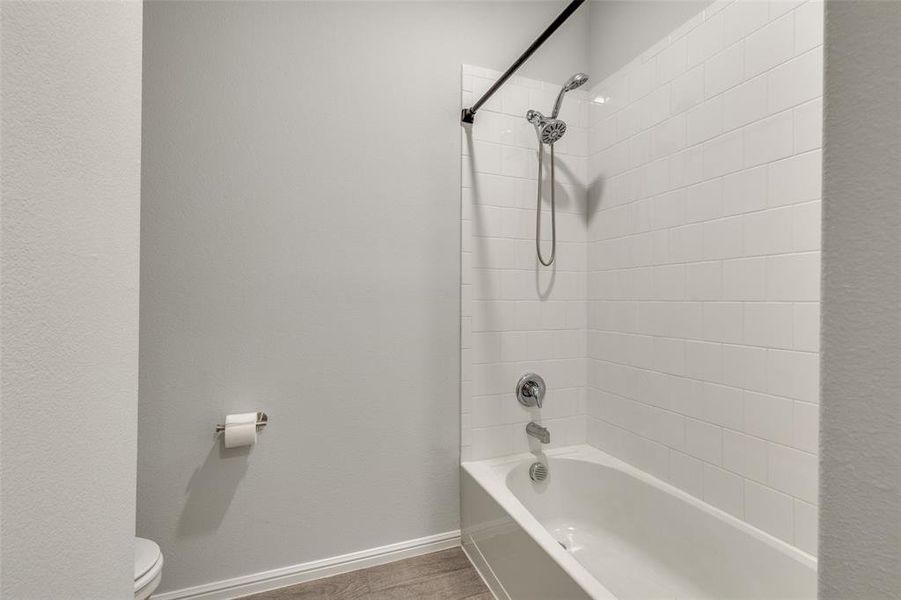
[(300, 254), (71, 142), (517, 315), (704, 262), (860, 445)]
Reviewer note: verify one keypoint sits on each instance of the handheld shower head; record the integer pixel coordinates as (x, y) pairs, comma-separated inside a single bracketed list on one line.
[(550, 129), (577, 80)]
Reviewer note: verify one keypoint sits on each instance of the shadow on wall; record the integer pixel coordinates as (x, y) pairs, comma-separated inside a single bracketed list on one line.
[(593, 201), (544, 279), (562, 197), (211, 489)]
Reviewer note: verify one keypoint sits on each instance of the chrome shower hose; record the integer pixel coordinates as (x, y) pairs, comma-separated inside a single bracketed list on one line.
[(541, 259)]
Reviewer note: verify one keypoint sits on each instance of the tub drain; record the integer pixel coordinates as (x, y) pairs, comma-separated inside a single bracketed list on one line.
[(537, 472)]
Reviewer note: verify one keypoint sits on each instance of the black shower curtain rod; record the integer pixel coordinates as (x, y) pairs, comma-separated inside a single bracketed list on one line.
[(469, 114)]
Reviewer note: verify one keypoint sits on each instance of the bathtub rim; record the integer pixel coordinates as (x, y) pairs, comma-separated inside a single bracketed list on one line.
[(491, 475)]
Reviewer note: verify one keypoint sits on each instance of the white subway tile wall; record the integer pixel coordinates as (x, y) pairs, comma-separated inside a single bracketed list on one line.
[(704, 262), (518, 316), (679, 327)]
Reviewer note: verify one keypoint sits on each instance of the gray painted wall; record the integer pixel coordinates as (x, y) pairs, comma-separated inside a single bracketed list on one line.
[(300, 254), (623, 29), (860, 427), (71, 143)]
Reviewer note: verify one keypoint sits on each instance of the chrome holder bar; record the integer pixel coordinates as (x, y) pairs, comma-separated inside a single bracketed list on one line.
[(262, 421)]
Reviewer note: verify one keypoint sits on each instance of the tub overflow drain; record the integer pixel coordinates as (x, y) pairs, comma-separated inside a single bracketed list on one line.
[(537, 472)]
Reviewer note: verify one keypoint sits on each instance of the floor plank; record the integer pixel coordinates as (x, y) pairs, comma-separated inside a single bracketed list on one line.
[(348, 586), (456, 585), (444, 575), (417, 569)]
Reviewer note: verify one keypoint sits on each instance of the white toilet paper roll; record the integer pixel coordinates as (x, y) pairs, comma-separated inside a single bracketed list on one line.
[(240, 430)]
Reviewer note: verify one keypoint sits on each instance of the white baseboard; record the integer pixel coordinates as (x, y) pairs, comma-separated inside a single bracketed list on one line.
[(317, 569)]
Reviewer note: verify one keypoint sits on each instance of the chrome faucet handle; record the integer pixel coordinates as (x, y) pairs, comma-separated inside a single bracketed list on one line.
[(530, 390)]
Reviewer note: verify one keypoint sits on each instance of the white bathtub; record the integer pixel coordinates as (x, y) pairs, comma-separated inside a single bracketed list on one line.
[(626, 534)]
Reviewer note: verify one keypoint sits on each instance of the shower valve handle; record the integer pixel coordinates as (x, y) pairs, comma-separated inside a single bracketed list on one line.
[(530, 390)]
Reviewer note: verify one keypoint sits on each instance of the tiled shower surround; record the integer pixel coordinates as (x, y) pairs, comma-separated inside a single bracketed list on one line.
[(518, 316), (695, 256)]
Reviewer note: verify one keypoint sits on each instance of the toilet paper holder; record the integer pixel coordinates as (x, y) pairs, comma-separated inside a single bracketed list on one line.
[(262, 421)]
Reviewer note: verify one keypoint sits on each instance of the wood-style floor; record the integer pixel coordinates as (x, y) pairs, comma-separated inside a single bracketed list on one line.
[(445, 575)]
